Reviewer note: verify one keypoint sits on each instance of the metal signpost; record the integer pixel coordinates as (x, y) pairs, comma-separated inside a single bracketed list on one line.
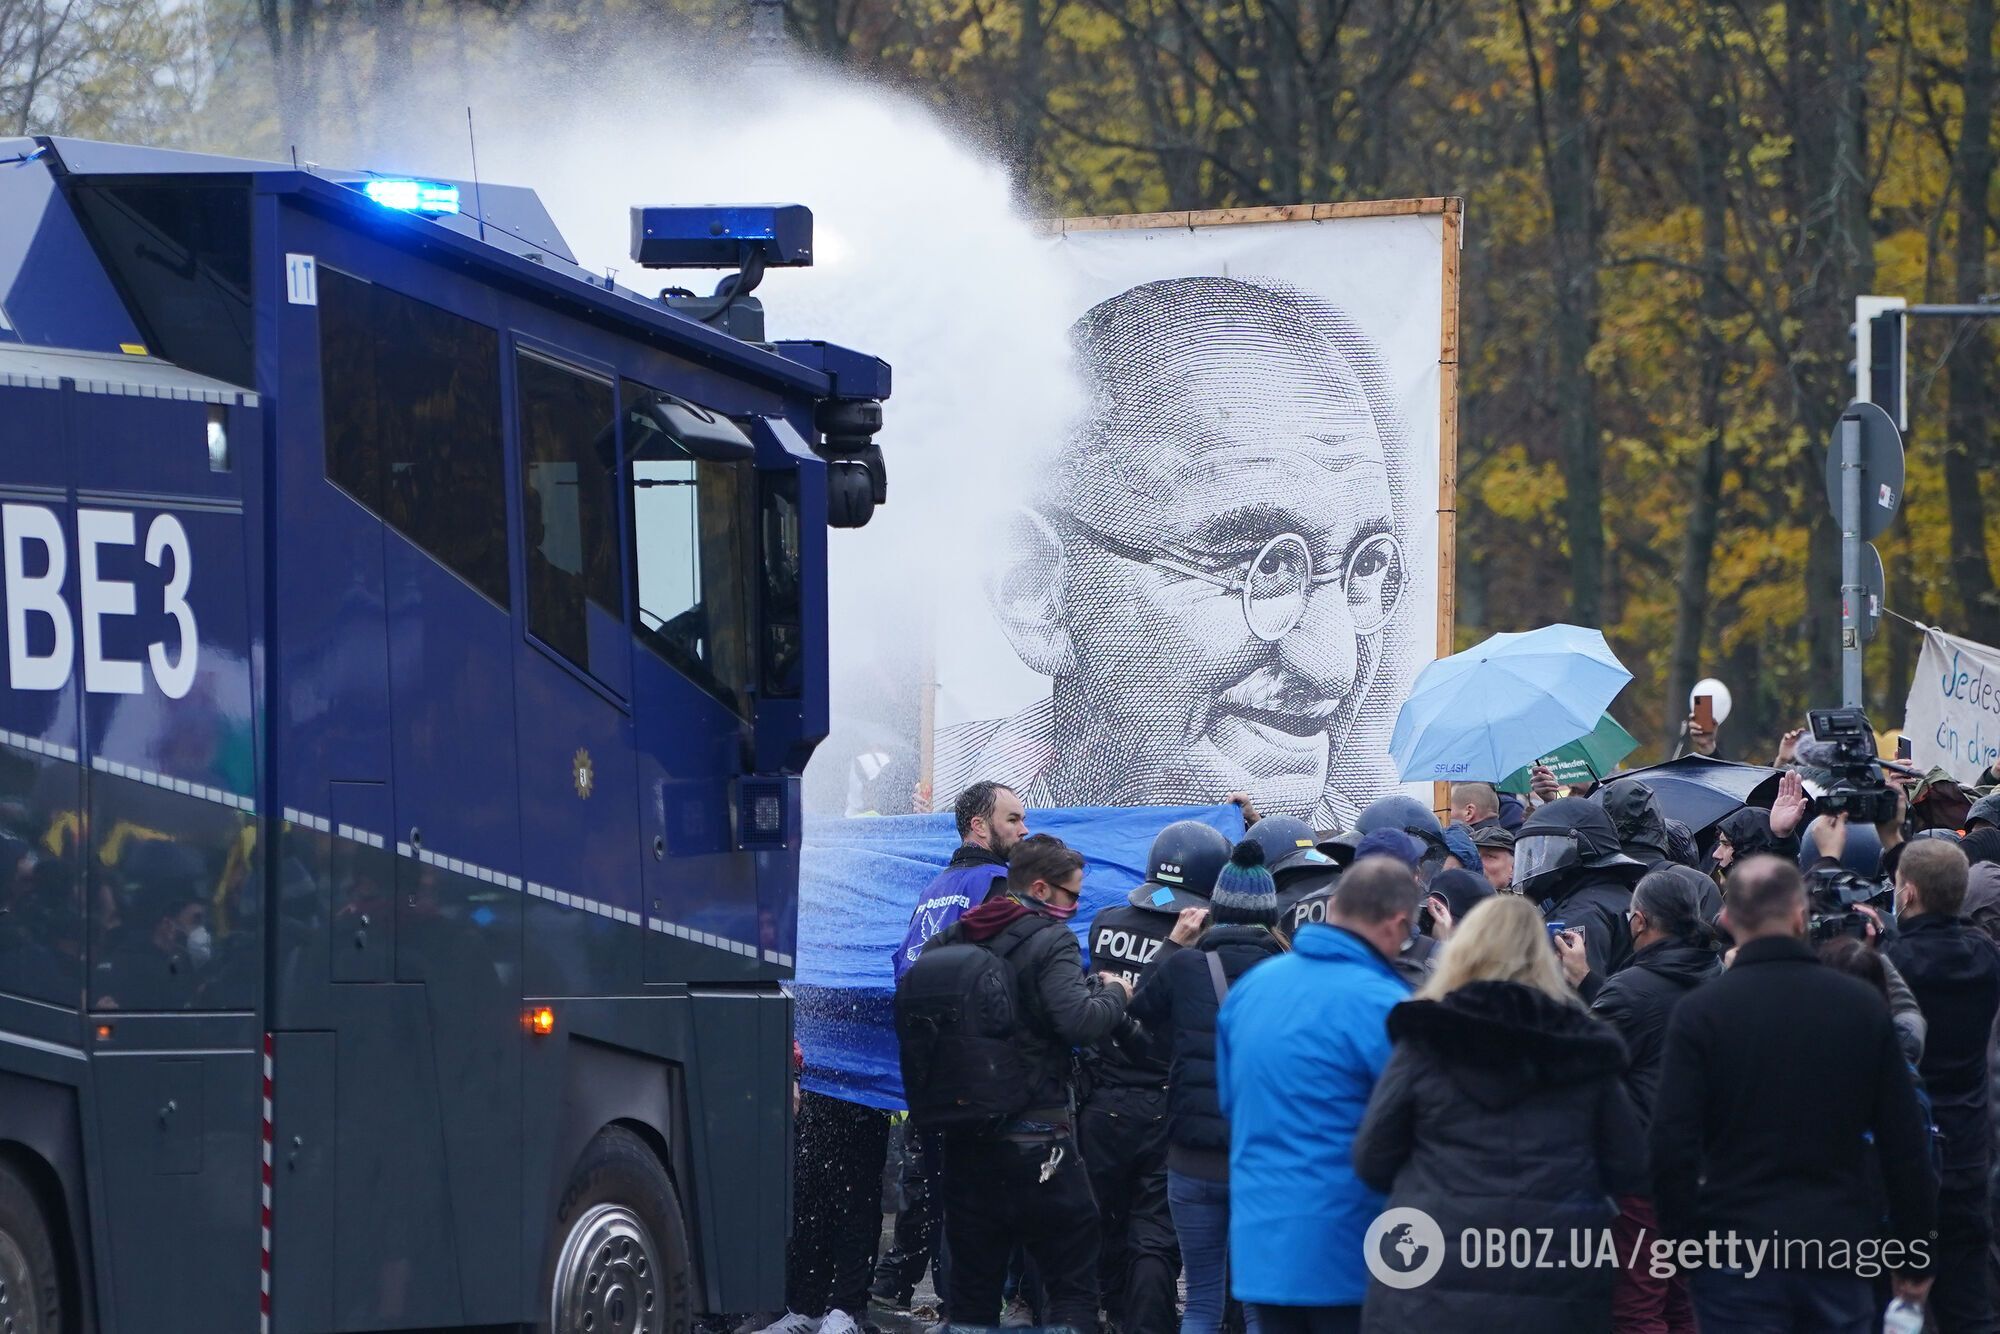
[(1864, 485), (1864, 465)]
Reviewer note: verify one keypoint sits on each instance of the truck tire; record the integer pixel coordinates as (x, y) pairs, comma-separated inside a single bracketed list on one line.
[(618, 1251), (30, 1280)]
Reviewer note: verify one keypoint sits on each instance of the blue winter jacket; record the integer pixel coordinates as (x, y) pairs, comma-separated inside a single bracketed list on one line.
[(967, 879), (1301, 1042)]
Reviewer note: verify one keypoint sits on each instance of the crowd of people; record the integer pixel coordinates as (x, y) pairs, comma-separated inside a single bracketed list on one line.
[(1553, 1063)]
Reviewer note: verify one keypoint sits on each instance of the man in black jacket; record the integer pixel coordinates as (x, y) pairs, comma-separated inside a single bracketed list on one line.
[(1567, 858), (1025, 1183), (1776, 1078), (1672, 954), (1955, 972), (991, 820)]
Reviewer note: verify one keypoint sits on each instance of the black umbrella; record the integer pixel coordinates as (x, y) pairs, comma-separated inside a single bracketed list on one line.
[(1698, 790)]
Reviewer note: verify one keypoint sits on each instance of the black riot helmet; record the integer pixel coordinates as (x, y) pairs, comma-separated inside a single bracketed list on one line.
[(1566, 835), (1288, 844), (1181, 868), (1397, 811)]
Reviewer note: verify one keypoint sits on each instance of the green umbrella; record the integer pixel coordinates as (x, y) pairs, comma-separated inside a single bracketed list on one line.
[(1587, 759)]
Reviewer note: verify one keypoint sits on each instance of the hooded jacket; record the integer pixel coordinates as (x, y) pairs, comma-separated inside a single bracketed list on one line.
[(1638, 1000), (1065, 1007), (1954, 969), (1642, 829), (1501, 1108), (1749, 832), (1178, 1004)]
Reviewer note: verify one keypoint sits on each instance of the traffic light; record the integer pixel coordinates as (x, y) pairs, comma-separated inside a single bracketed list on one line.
[(1881, 355)]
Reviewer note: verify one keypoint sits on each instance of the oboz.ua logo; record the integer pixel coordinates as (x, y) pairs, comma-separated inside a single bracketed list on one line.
[(1404, 1248)]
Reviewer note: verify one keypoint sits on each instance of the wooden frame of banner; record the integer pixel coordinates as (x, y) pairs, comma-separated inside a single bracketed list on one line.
[(1452, 213)]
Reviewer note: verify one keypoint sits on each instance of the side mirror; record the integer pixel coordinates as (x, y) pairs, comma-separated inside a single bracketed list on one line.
[(695, 430)]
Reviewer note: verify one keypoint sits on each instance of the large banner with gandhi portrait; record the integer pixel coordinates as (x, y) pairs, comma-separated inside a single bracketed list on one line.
[(1229, 567)]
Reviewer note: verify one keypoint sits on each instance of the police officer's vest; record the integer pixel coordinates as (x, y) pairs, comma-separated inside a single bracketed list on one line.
[(1125, 940)]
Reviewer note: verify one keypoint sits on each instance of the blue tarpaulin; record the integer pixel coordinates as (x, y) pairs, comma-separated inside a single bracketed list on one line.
[(860, 879)]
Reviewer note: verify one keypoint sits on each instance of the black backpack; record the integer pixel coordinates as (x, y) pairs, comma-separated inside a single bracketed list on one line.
[(959, 1032)]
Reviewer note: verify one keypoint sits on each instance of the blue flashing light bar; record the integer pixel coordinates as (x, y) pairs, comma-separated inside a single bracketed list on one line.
[(413, 196), (715, 236)]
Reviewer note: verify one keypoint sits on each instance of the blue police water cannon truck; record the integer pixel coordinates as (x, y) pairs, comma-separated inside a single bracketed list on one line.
[(413, 644)]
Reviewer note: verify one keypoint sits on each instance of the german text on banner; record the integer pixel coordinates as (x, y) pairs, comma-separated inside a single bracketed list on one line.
[(1953, 715)]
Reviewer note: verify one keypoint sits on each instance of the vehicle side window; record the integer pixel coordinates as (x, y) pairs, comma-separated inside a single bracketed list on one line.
[(411, 397), (692, 569), (569, 498), (180, 254)]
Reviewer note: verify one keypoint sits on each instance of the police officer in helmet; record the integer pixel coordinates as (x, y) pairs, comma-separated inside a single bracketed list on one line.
[(1568, 859), (1122, 1126), (1314, 888), (1303, 870), (1397, 811)]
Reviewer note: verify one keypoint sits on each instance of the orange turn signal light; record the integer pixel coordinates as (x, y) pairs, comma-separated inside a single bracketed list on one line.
[(542, 1021)]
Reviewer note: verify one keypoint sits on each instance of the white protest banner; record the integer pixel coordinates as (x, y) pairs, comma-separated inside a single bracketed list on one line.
[(1953, 714), (1220, 571)]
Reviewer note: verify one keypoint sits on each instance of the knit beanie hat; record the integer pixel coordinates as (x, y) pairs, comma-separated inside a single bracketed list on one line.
[(1245, 894)]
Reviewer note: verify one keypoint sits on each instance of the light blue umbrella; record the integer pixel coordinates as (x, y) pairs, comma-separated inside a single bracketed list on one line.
[(1482, 714)]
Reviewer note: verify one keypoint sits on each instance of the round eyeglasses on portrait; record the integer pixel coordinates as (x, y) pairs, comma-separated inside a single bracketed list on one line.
[(1276, 583)]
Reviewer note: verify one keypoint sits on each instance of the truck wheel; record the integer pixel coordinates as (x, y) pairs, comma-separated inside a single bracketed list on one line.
[(618, 1261), (30, 1282)]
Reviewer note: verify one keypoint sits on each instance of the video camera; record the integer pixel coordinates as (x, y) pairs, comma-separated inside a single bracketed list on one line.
[(1846, 749), (1832, 905), (1833, 913)]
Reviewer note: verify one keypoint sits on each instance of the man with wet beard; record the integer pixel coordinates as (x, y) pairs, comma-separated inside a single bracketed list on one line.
[(1211, 570)]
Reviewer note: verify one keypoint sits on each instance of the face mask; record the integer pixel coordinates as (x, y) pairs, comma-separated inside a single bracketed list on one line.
[(200, 946), (1062, 914)]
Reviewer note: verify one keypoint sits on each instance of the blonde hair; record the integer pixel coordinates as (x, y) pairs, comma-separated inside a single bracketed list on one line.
[(1502, 939)]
